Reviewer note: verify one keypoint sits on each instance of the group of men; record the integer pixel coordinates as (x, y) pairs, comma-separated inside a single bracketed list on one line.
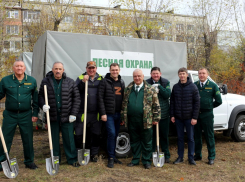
[(140, 106)]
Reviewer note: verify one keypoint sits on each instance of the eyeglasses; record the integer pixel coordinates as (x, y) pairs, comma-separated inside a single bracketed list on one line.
[(91, 68)]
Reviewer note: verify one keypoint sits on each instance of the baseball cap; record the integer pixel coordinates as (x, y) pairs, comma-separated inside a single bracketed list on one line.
[(91, 64)]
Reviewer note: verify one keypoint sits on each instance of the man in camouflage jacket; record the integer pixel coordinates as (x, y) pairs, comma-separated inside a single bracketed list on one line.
[(140, 110)]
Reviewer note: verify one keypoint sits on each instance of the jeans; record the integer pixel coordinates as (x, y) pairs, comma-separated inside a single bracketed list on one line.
[(112, 127), (180, 124)]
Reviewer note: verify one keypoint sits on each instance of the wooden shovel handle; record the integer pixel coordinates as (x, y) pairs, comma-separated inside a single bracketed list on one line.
[(157, 133), (3, 141), (48, 119), (85, 110)]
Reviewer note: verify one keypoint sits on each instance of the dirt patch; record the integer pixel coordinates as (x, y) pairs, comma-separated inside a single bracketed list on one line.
[(229, 165)]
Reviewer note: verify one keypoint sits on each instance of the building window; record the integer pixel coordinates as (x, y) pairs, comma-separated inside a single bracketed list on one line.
[(81, 18), (179, 27), (191, 50), (12, 29), (179, 38), (190, 27), (201, 28), (191, 39), (101, 19), (12, 14), (167, 25), (67, 19), (168, 38), (12, 46), (89, 18), (200, 39), (31, 15)]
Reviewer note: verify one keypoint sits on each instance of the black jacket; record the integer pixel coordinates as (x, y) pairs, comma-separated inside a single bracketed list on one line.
[(92, 95), (106, 93), (69, 95), (184, 101)]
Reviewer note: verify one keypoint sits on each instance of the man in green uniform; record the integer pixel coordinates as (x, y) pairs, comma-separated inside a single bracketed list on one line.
[(64, 103), (209, 98), (21, 108), (141, 110), (162, 87)]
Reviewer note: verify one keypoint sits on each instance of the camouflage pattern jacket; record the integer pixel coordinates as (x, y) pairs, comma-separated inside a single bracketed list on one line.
[(152, 110)]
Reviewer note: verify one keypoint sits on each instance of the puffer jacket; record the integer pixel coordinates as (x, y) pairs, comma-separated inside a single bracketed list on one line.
[(69, 95), (184, 101), (106, 93)]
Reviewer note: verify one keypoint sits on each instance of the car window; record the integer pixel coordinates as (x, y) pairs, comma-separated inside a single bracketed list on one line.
[(195, 77)]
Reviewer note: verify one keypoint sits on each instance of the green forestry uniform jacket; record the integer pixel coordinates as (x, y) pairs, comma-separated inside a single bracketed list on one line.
[(140, 109), (209, 98), (163, 97), (20, 106)]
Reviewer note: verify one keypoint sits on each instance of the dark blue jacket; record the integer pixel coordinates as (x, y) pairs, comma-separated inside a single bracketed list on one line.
[(185, 101)]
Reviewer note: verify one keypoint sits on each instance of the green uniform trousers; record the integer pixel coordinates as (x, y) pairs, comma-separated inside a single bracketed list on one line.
[(68, 140), (140, 140), (163, 134), (205, 122), (24, 121)]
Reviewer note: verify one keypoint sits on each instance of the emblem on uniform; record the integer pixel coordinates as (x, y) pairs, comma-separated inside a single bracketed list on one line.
[(218, 92), (27, 83), (208, 87)]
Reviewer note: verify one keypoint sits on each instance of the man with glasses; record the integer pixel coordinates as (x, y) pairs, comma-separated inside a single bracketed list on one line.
[(93, 121)]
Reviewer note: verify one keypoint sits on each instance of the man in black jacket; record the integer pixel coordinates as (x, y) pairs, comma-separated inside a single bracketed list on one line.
[(184, 109), (93, 127), (64, 102), (110, 92)]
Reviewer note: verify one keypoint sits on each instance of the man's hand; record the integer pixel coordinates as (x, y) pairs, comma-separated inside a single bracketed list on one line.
[(85, 78), (104, 118), (154, 123), (156, 87), (46, 108), (173, 120), (193, 121), (122, 123), (34, 119), (72, 118)]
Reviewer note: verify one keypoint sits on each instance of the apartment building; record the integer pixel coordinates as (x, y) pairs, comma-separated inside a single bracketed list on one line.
[(96, 20)]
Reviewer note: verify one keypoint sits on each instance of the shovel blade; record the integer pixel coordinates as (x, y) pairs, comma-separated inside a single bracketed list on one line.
[(158, 159), (12, 170), (49, 166), (83, 156)]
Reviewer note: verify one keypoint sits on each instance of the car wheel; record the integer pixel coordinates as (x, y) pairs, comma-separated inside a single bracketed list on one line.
[(123, 148), (239, 129)]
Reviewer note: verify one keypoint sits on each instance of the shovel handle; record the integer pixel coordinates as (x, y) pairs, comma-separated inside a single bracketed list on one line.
[(157, 133), (3, 141), (48, 119), (85, 111)]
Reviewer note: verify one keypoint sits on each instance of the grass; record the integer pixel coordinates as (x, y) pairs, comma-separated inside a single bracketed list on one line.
[(229, 165)]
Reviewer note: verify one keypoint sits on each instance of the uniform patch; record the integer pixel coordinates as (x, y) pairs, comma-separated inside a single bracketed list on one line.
[(208, 88), (218, 92), (167, 87), (27, 83)]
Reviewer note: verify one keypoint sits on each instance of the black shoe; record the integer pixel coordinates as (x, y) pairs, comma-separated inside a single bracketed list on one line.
[(147, 166), (167, 160), (211, 161), (197, 158), (75, 164), (94, 158), (178, 160), (1, 169), (31, 166), (192, 162), (117, 161), (110, 163), (131, 164)]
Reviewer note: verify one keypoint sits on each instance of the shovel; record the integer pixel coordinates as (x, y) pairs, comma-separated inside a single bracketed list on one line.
[(52, 163), (158, 157), (10, 166), (84, 154)]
